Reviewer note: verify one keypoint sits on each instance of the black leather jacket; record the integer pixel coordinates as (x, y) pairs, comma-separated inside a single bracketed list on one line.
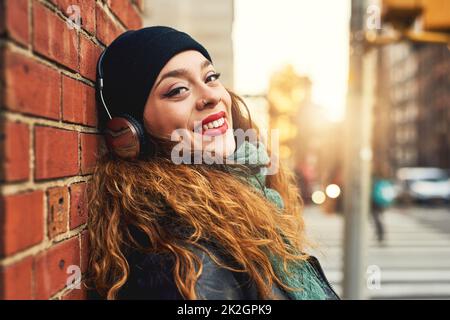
[(151, 278)]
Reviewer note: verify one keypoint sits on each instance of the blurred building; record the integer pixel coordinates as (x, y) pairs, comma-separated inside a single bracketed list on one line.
[(412, 113), (434, 98), (209, 22), (309, 142), (287, 92), (258, 106), (384, 123), (397, 113)]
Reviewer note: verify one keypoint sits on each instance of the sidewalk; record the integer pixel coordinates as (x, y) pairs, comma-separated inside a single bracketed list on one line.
[(414, 262)]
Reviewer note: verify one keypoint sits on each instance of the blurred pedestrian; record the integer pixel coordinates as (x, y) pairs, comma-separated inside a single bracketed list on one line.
[(382, 197)]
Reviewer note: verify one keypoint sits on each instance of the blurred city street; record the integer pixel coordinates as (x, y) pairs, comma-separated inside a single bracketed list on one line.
[(350, 99), (414, 261)]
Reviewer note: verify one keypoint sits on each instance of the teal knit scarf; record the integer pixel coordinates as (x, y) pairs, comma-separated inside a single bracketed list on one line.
[(303, 274)]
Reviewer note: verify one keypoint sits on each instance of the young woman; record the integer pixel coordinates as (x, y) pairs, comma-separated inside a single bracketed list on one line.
[(214, 224)]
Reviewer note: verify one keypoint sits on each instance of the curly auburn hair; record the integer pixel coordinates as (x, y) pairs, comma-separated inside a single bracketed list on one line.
[(157, 197)]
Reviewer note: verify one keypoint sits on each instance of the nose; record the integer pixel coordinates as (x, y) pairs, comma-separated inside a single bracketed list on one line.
[(207, 98)]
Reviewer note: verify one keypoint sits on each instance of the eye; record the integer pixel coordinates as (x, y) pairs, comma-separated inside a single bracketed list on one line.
[(213, 77), (175, 92)]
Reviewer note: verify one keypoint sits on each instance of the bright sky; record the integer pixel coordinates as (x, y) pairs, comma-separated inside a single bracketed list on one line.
[(312, 35)]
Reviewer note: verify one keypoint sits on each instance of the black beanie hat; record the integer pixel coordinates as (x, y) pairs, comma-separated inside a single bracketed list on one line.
[(132, 63)]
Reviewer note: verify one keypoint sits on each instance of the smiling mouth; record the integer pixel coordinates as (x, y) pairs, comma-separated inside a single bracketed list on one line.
[(213, 125), (215, 128)]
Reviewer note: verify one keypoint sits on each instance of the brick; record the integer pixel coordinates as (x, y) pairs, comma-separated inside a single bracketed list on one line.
[(78, 205), (89, 54), (22, 221), (58, 211), (126, 13), (107, 30), (84, 251), (16, 280), (24, 89), (16, 20), (56, 153), (51, 267), (86, 12), (76, 294), (78, 102), (53, 38), (15, 147), (90, 149)]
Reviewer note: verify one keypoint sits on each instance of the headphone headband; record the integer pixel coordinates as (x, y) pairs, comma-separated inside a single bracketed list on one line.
[(100, 82), (124, 135)]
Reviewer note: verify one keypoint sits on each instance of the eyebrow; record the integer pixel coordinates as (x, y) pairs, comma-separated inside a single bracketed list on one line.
[(181, 72)]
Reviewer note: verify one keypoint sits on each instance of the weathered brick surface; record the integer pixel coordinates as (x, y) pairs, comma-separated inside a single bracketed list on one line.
[(51, 267), (78, 205), (48, 138), (22, 221), (16, 146), (90, 144), (16, 20), (56, 152), (16, 280), (53, 38), (78, 102), (58, 210), (31, 87)]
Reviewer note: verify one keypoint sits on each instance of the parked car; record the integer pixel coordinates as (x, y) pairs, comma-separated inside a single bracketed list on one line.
[(423, 184)]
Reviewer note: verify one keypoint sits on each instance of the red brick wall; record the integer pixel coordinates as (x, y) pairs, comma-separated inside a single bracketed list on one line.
[(48, 137)]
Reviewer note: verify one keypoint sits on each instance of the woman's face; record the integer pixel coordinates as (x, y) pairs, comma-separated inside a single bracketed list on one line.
[(188, 95)]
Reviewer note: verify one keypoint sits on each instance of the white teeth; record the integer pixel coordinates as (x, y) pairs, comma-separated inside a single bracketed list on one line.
[(214, 124)]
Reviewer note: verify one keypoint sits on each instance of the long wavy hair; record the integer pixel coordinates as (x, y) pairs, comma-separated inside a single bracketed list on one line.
[(178, 207)]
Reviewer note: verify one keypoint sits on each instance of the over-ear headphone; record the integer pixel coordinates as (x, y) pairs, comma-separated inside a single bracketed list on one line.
[(124, 135)]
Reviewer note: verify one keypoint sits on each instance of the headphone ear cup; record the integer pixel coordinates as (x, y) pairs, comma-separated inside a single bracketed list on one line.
[(125, 137), (139, 129)]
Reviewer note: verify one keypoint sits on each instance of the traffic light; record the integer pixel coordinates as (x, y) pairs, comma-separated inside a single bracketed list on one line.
[(434, 14), (401, 13)]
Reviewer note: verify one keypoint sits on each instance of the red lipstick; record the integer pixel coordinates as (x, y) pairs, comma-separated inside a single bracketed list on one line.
[(213, 117)]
